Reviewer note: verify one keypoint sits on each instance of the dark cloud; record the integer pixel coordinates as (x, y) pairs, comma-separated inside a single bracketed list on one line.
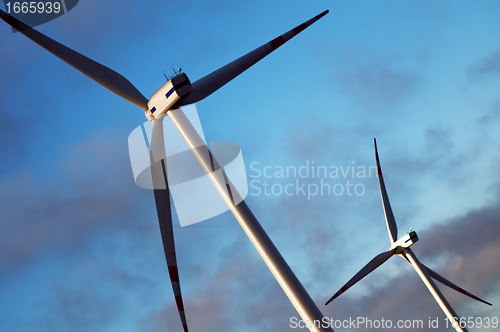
[(376, 81), (490, 118), (90, 297), (377, 85), (242, 294), (87, 194), (469, 245), (485, 67), (20, 99)]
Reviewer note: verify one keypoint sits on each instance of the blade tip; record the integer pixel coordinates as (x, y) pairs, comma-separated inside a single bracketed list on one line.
[(323, 14), (332, 298)]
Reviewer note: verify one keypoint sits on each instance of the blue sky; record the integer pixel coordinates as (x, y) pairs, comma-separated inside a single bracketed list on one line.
[(80, 247)]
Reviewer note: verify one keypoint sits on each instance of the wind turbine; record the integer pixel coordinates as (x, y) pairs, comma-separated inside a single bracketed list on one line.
[(401, 247), (179, 91)]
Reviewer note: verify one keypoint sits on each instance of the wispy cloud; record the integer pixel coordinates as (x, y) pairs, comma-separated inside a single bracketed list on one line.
[(374, 80), (489, 65), (86, 195)]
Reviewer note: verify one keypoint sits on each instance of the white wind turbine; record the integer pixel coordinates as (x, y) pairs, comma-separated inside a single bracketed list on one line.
[(401, 247), (179, 91)]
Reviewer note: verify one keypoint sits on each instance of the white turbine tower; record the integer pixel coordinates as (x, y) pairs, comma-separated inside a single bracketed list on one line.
[(401, 247), (179, 91)]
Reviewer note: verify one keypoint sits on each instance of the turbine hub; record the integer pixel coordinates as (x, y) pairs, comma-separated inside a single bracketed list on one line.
[(405, 241), (165, 97)]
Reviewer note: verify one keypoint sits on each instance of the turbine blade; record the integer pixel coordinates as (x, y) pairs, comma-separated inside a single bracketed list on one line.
[(372, 265), (431, 286), (207, 85), (163, 208), (448, 283), (389, 216), (103, 75)]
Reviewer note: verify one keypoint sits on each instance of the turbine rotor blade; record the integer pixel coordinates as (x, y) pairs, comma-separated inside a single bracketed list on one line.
[(448, 283), (163, 208), (389, 216), (103, 75), (433, 289), (212, 82), (370, 267)]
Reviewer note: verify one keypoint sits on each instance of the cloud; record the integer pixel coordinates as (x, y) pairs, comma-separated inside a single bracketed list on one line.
[(232, 297), (243, 295), (470, 245), (488, 66), (90, 294), (375, 81), (85, 196), (20, 122)]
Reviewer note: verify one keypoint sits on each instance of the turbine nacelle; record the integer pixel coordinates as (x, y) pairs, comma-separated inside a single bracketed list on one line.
[(165, 97), (405, 241)]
